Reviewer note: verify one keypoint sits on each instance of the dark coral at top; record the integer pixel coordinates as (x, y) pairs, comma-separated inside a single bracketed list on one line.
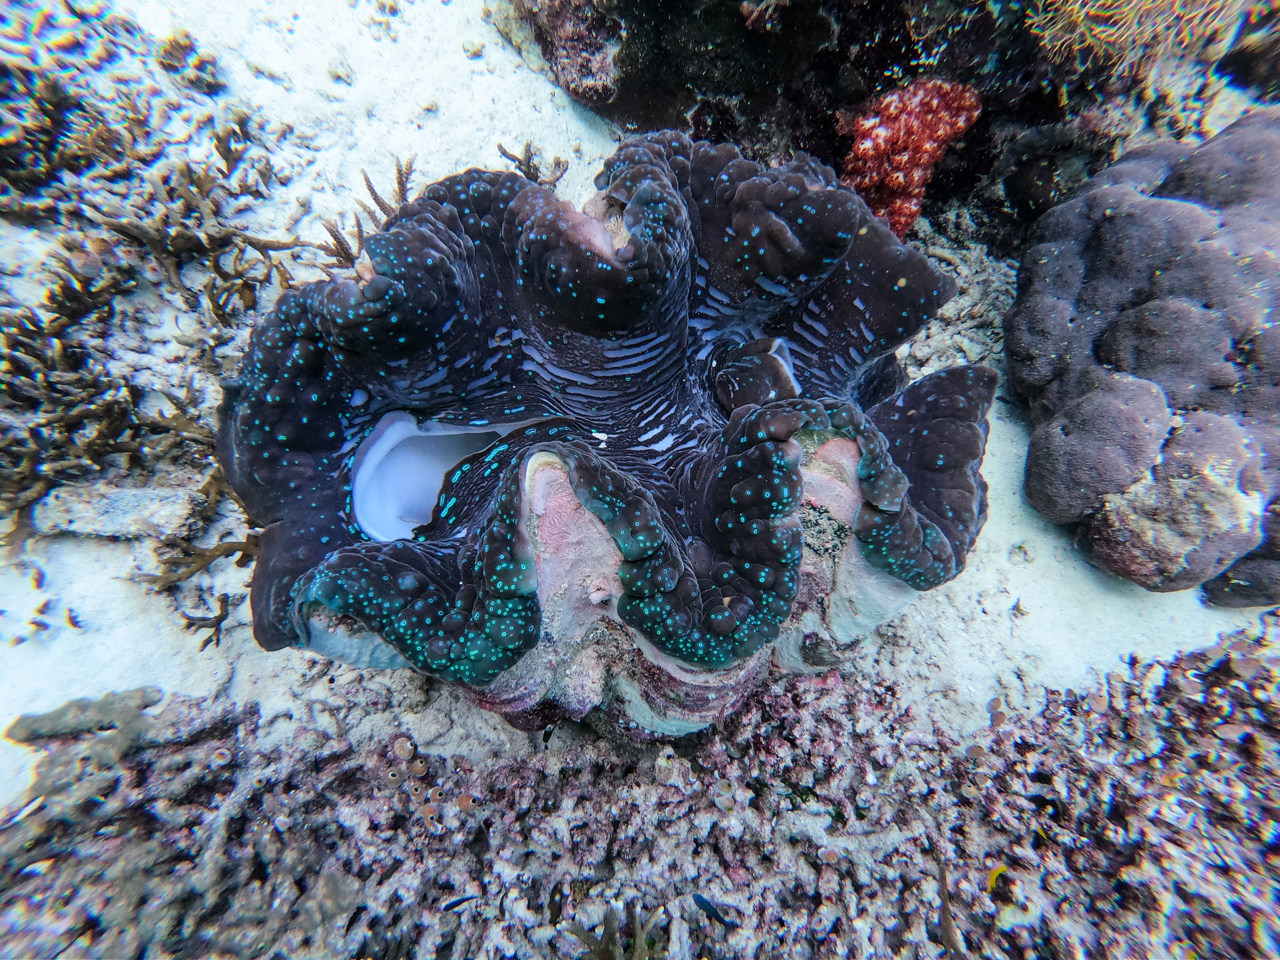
[(666, 350), (1145, 337)]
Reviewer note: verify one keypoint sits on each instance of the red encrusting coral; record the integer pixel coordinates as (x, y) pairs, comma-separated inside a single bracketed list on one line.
[(898, 138)]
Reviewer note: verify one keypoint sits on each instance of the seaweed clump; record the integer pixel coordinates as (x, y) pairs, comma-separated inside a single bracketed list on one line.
[(44, 130), (199, 71), (1127, 36), (63, 414)]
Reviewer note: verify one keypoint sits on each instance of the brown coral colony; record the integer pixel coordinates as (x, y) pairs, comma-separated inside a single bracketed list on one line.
[(897, 140)]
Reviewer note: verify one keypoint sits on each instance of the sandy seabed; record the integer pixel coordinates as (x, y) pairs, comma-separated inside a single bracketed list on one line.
[(350, 87), (335, 89)]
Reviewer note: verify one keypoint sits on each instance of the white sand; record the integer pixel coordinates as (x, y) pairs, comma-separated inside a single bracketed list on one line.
[(279, 55), (1027, 612)]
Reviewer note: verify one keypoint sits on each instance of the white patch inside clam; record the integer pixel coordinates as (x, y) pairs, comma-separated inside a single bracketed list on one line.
[(400, 468)]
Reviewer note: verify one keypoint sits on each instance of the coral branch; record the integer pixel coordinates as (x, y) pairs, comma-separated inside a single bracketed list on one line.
[(212, 623), (191, 559)]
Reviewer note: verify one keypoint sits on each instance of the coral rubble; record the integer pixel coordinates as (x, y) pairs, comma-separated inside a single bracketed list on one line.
[(1142, 338), (1129, 820), (57, 130), (898, 138), (46, 130)]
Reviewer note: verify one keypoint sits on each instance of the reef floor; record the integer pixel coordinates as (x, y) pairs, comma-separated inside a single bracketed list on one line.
[(1034, 753)]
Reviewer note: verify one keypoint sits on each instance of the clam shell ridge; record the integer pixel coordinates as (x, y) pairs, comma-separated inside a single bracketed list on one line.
[(606, 464)]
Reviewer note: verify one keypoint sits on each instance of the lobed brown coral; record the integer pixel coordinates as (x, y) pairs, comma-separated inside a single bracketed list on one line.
[(898, 138), (1142, 339)]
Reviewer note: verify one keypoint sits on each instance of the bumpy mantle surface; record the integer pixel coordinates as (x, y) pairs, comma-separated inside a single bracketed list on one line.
[(421, 441)]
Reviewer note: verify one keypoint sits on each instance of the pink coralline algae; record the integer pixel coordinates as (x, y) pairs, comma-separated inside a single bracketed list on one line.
[(898, 138)]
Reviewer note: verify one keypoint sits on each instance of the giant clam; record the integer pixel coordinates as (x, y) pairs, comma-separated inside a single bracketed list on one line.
[(569, 459)]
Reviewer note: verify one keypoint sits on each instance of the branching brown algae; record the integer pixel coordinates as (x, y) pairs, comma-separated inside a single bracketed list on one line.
[(105, 171)]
